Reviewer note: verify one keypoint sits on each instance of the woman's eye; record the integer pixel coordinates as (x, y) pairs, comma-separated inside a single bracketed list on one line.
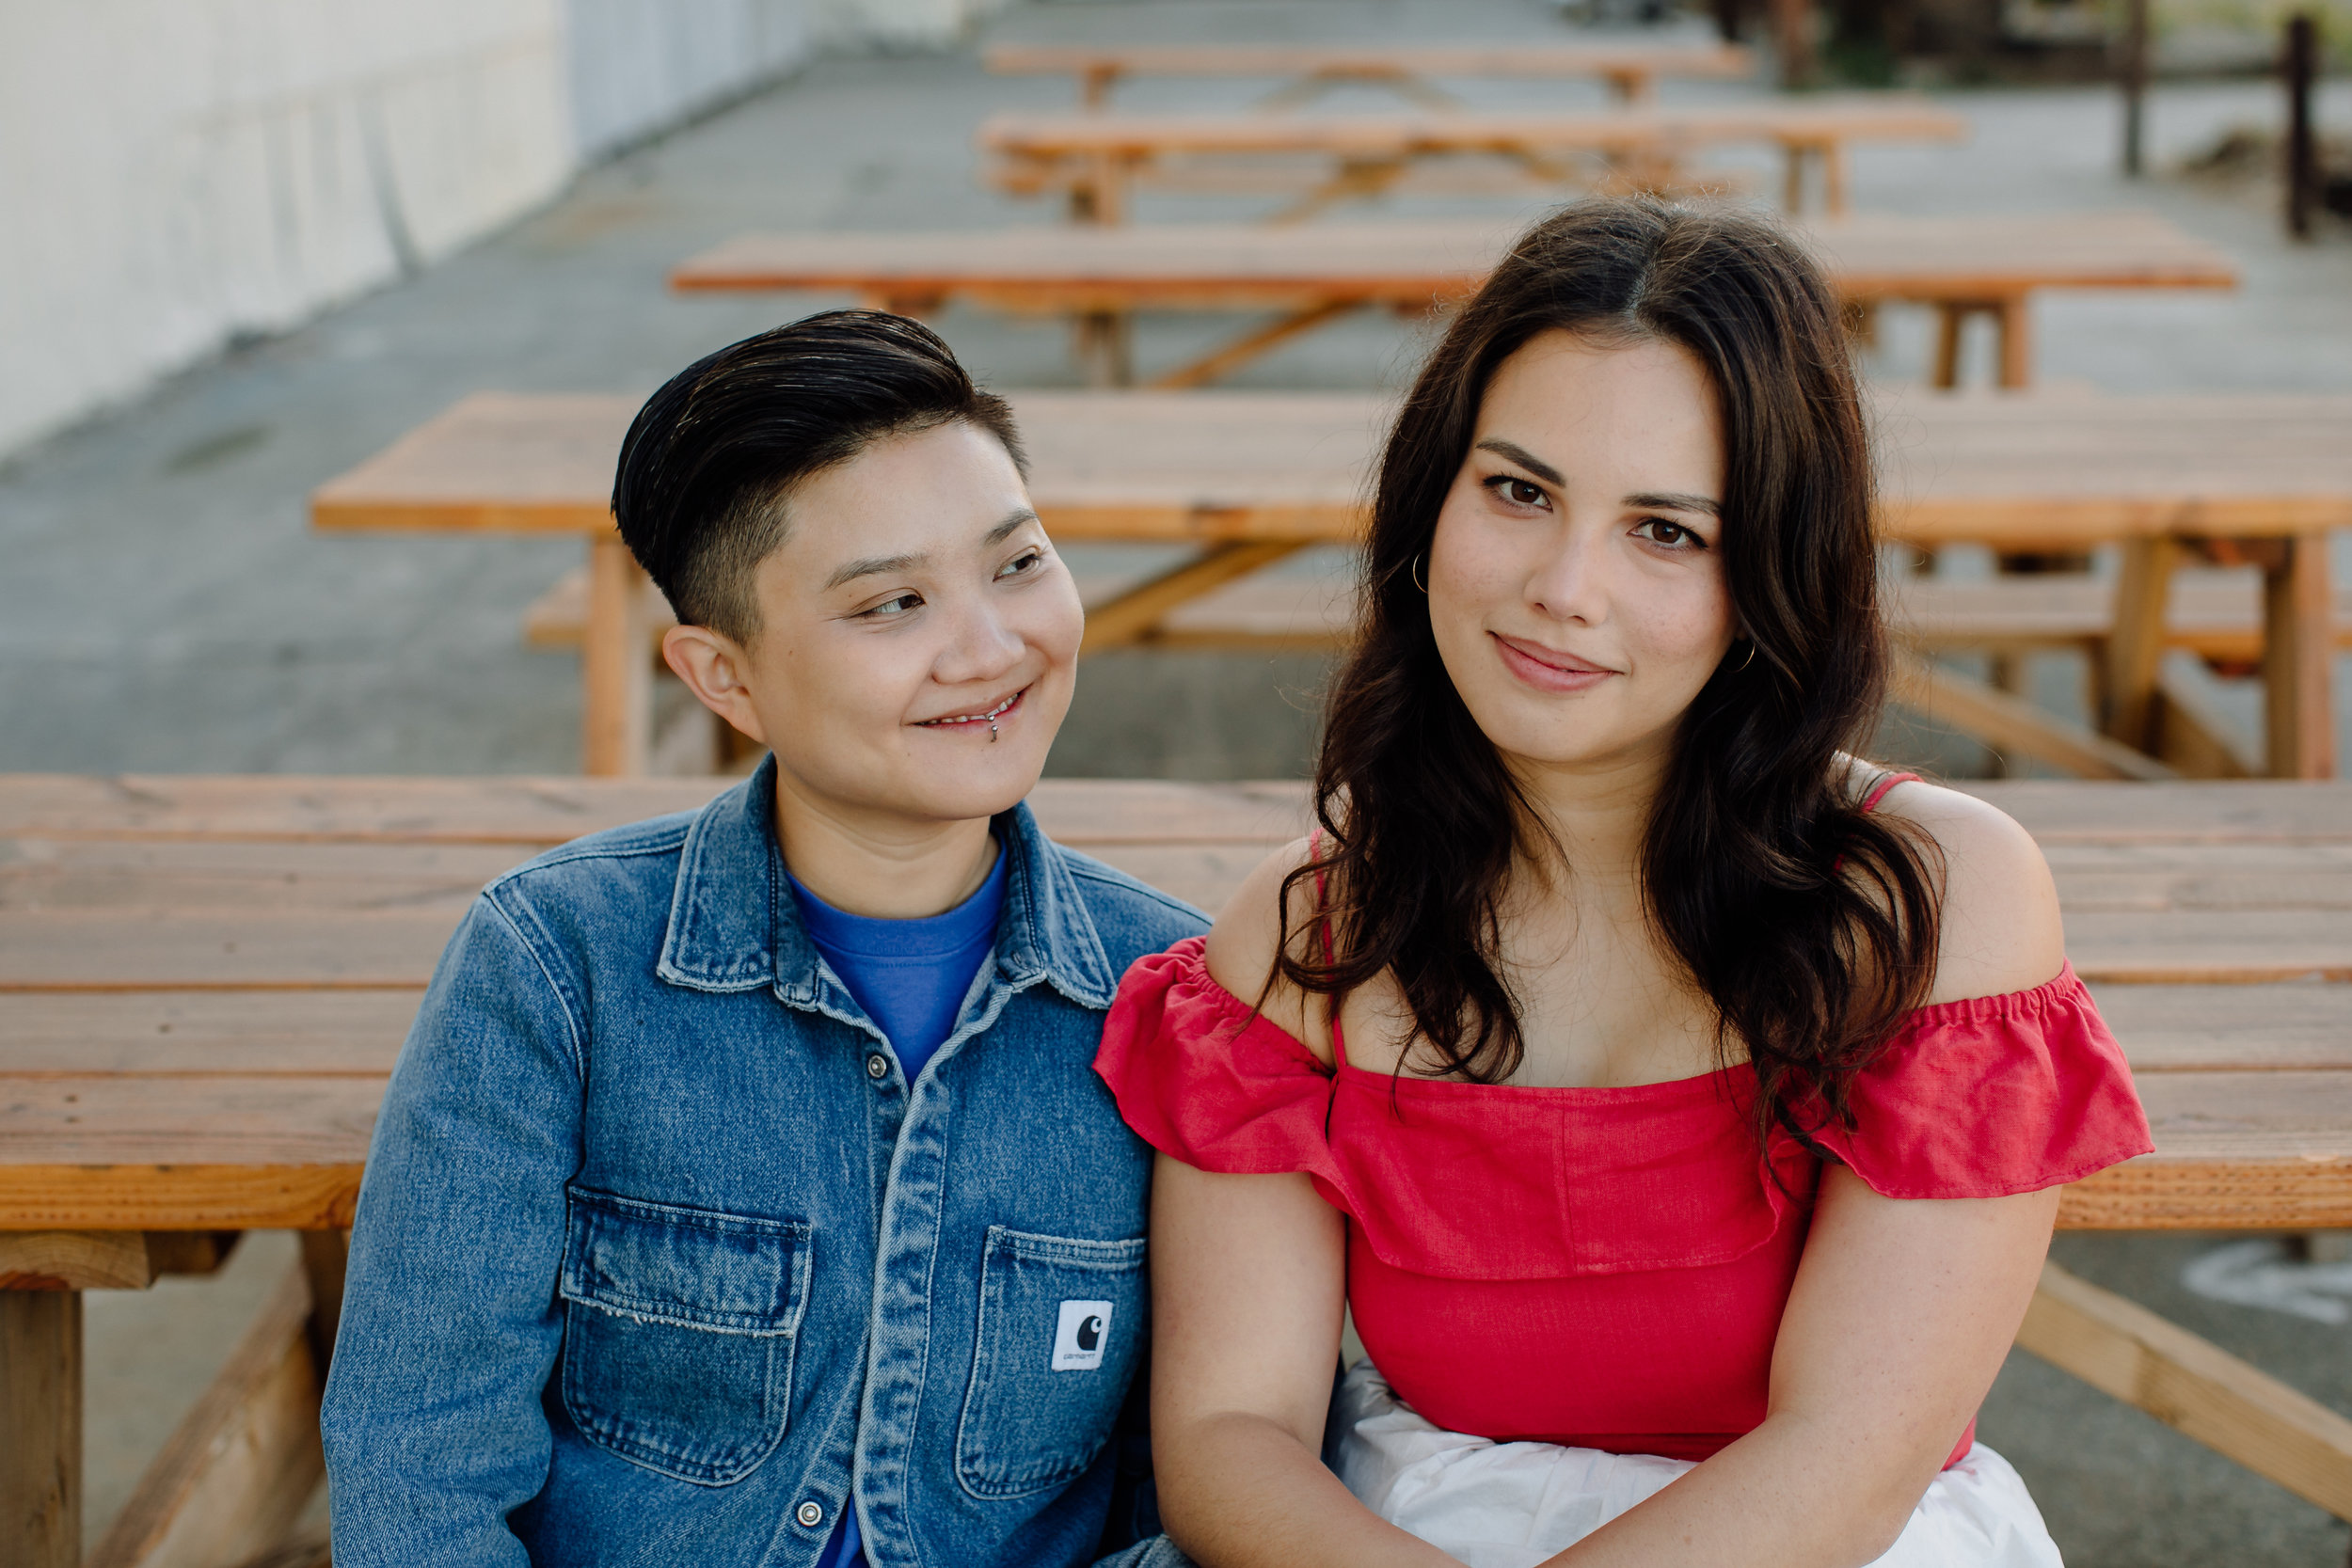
[(1660, 531), (1020, 564), (892, 607), (1518, 492)]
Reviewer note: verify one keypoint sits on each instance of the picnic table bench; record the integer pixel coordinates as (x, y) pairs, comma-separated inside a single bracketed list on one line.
[(2248, 482), (207, 980), (1991, 264), (1094, 160), (1631, 70)]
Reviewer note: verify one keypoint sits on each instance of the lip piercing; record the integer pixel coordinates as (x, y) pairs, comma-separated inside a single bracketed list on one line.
[(989, 718)]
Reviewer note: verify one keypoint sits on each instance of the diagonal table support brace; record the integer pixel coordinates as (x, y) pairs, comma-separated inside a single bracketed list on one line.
[(2191, 1386), (1131, 617), (1250, 345)]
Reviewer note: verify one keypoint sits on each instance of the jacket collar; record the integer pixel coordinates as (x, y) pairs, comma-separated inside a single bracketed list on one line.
[(736, 926)]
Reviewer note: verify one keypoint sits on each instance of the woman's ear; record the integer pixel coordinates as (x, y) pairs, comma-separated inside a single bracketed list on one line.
[(713, 666)]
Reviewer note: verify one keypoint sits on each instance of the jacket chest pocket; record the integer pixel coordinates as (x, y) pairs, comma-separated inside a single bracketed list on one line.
[(679, 1327), (1061, 1331)]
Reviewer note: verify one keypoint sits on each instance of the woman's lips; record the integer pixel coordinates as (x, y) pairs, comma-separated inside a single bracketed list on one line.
[(988, 716), (1547, 669)]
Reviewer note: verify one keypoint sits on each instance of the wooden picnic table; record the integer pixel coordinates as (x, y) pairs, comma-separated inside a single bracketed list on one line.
[(1960, 266), (1631, 70), (1249, 478), (1095, 160), (207, 981)]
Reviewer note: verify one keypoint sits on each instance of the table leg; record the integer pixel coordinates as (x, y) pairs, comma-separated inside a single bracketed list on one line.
[(40, 1412), (1949, 316), (2135, 646), (1131, 617), (1105, 348), (1834, 178), (2298, 645), (615, 691), (324, 1256), (2015, 317), (1793, 178)]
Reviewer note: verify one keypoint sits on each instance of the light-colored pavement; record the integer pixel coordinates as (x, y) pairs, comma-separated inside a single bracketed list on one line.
[(163, 606)]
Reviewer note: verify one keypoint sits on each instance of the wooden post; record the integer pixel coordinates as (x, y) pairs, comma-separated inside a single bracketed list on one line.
[(615, 677), (1950, 316), (2302, 170), (1792, 38), (2015, 318), (41, 1416), (2133, 71), (325, 1254), (2136, 646), (2298, 643)]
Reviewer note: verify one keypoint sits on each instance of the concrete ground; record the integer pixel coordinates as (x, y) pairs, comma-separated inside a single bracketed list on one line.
[(164, 608)]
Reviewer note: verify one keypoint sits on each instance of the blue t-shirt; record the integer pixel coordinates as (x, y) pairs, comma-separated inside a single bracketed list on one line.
[(910, 976)]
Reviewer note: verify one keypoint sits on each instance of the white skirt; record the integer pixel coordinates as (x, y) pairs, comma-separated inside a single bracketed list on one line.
[(1512, 1505)]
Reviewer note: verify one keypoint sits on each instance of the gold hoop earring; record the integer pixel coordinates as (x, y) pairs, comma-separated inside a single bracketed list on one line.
[(1413, 571), (1750, 660)]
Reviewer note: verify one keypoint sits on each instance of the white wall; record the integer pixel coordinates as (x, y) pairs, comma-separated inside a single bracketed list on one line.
[(640, 65), (175, 172)]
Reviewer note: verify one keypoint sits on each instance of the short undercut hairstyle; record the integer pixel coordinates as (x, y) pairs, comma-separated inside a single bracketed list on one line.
[(710, 461)]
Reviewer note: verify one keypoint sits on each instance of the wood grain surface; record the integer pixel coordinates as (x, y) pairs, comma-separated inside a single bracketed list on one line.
[(2047, 471), (209, 978)]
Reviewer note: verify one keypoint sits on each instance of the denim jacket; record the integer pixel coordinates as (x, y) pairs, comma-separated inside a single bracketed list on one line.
[(656, 1249)]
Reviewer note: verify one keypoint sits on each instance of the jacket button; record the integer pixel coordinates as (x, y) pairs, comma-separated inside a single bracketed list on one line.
[(877, 1066), (811, 1515)]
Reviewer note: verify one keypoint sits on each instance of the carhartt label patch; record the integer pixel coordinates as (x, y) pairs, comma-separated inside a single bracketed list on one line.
[(1080, 1336)]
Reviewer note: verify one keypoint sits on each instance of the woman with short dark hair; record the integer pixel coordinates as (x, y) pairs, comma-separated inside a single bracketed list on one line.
[(1679, 1102)]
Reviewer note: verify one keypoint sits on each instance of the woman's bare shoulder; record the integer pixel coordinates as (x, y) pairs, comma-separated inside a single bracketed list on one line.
[(1247, 936), (2001, 930)]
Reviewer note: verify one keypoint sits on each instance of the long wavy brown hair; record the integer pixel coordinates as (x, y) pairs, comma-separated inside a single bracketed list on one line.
[(1808, 922)]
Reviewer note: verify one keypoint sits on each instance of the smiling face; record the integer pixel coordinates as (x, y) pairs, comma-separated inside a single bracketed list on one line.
[(1575, 578), (919, 636)]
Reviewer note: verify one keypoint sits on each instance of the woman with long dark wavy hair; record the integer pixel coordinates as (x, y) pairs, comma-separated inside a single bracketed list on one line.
[(1677, 1101)]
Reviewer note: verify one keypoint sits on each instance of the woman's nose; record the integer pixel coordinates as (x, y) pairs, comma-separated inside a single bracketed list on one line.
[(1570, 583)]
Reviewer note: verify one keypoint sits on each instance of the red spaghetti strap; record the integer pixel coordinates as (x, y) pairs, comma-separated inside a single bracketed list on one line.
[(1323, 923), (1887, 781)]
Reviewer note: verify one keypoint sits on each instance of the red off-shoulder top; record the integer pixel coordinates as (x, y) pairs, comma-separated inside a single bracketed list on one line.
[(1604, 1267)]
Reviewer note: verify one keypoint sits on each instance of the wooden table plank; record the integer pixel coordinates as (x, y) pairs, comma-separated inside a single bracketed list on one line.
[(2230, 1028), (1416, 264), (2243, 1149), (1558, 60), (1818, 118), (186, 1034), (238, 950), (1083, 812), (2047, 472), (132, 878), (549, 810), (85, 874)]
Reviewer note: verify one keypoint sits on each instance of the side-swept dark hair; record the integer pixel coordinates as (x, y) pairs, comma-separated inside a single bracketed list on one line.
[(1810, 925), (711, 459)]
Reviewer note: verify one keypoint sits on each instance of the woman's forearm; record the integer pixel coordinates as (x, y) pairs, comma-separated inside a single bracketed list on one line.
[(1238, 1491), (1791, 1494)]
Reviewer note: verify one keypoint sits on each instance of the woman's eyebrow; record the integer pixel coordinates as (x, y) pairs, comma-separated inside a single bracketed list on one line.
[(1672, 502), (1514, 452), (875, 565)]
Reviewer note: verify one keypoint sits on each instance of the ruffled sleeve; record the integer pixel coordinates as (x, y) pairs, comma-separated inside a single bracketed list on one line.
[(1992, 1096), (1201, 1078)]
